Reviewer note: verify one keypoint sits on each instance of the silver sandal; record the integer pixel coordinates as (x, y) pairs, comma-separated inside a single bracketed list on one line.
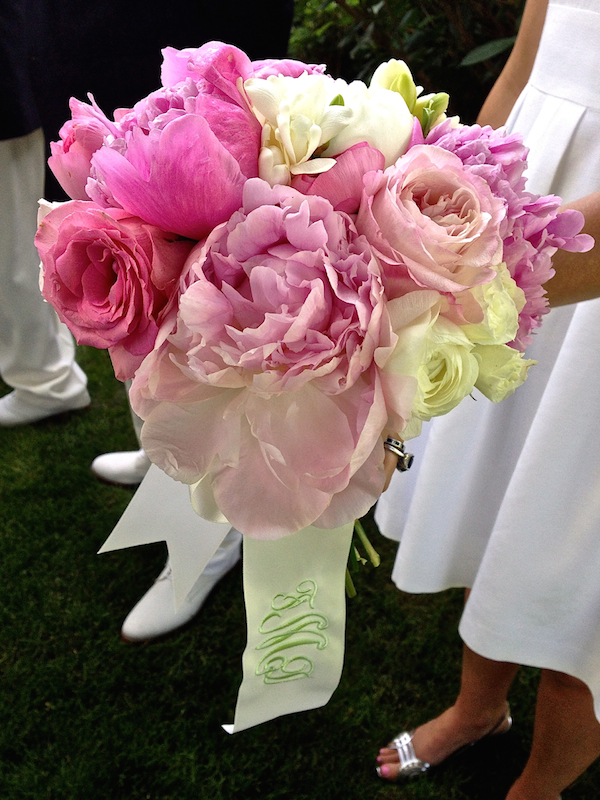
[(411, 766)]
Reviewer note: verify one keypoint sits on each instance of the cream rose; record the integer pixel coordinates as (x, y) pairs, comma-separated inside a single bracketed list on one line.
[(501, 301), (448, 372), (434, 351), (502, 369)]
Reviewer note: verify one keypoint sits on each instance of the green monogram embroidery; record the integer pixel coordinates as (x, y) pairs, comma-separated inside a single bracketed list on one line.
[(285, 630)]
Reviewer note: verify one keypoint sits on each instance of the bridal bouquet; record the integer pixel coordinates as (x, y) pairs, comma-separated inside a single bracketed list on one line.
[(290, 268)]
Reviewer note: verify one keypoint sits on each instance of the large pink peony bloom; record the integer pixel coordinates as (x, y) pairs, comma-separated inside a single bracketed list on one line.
[(267, 392), (179, 178), (180, 157), (80, 137), (432, 222), (111, 277)]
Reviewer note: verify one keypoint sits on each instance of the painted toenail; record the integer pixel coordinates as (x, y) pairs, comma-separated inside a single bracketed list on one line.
[(385, 771)]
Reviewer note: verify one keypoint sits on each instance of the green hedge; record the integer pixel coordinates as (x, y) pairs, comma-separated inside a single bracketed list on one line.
[(433, 36)]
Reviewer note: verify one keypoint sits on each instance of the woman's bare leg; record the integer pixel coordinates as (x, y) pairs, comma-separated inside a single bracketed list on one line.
[(566, 738), (478, 707)]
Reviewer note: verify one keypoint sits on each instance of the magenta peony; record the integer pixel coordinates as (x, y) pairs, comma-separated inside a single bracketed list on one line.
[(221, 66), (111, 277), (274, 360), (179, 178), (80, 137)]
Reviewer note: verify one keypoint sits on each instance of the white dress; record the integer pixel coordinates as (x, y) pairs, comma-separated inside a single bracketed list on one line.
[(506, 497)]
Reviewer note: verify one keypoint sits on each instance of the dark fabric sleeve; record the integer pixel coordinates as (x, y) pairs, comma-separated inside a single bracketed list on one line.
[(19, 46), (112, 48)]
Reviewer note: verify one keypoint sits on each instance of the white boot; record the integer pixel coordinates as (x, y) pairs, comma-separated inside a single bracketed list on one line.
[(155, 614), (127, 468), (16, 408)]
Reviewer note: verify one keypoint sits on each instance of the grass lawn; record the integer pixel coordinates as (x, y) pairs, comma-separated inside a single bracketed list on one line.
[(85, 717)]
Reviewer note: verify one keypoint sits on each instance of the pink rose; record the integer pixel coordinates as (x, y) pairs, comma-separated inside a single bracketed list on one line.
[(80, 137), (431, 220), (269, 379), (111, 277)]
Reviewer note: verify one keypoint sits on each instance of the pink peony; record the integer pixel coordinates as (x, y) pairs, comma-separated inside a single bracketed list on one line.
[(181, 177), (533, 228), (111, 277), (431, 221), (186, 150), (217, 64), (342, 185), (80, 137), (221, 66), (267, 392)]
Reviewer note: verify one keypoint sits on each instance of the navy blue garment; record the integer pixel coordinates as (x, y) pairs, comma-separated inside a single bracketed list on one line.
[(57, 49), (20, 46)]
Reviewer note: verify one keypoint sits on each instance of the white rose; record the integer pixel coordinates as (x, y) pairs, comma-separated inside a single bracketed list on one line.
[(448, 372), (501, 301), (502, 369), (434, 351)]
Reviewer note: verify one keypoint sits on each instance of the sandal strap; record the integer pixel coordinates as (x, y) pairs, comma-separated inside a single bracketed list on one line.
[(406, 754)]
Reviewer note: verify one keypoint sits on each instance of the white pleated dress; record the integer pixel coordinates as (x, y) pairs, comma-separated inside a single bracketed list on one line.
[(505, 498)]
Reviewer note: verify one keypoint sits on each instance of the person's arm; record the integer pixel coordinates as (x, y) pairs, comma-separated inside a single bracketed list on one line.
[(517, 69), (578, 274)]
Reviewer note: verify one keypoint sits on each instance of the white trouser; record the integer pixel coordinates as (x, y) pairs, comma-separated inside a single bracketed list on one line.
[(37, 352)]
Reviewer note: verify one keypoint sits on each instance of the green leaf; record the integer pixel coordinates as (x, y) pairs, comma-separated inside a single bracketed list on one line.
[(488, 50), (350, 590)]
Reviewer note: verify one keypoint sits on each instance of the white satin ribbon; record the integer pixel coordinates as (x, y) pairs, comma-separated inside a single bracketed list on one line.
[(160, 510), (294, 589)]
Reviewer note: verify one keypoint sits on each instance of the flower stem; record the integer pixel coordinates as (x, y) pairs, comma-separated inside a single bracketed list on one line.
[(371, 552)]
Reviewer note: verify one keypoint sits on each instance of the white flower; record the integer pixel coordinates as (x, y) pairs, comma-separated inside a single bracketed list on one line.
[(298, 119), (310, 119), (432, 349), (380, 117), (448, 371), (429, 109), (502, 369), (501, 301), (397, 77)]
